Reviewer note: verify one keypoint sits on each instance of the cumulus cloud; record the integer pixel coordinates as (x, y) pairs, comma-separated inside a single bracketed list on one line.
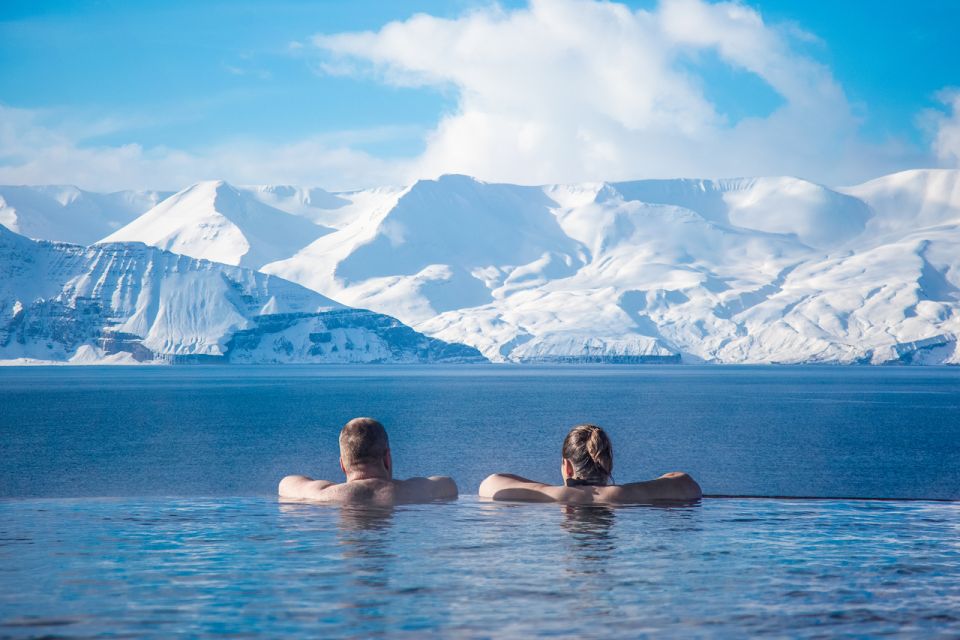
[(557, 91), (34, 151), (569, 90)]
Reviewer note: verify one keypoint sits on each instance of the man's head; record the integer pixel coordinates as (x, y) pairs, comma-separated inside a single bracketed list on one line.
[(365, 450)]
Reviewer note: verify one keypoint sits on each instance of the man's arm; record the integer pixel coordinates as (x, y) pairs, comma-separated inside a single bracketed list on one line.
[(303, 487), (676, 486), (506, 486)]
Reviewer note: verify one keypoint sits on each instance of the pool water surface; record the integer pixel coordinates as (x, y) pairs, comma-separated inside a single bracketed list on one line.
[(225, 558), (238, 566)]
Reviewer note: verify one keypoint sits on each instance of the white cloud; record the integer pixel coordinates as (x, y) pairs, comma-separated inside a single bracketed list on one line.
[(32, 151), (559, 91), (946, 143), (569, 90)]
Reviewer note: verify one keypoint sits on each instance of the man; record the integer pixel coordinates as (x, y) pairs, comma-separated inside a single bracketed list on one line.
[(365, 461)]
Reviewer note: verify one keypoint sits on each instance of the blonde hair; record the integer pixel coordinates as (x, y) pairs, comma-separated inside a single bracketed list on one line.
[(590, 452), (363, 440)]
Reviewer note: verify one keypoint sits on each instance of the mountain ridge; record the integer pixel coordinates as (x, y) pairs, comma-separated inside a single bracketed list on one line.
[(755, 270)]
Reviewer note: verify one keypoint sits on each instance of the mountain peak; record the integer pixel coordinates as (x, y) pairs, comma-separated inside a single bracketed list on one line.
[(219, 222), (207, 187), (447, 181)]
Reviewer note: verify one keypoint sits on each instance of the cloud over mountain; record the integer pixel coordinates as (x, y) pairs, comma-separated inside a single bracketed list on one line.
[(947, 126), (555, 91), (571, 90)]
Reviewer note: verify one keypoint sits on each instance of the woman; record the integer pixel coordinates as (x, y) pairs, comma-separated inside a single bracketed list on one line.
[(586, 467)]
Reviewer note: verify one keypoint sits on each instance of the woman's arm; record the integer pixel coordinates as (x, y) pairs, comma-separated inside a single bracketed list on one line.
[(506, 486), (675, 485)]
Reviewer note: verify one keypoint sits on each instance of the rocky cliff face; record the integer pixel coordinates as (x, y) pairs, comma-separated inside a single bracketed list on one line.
[(63, 302)]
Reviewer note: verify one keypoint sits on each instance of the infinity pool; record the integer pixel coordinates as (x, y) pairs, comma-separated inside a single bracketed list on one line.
[(248, 566)]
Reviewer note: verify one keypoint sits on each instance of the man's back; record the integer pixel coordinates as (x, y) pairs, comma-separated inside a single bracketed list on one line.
[(368, 466), (374, 491)]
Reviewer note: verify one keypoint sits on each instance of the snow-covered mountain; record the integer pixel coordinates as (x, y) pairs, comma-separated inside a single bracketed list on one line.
[(740, 270), (130, 302), (910, 200), (68, 214), (440, 245), (219, 222), (748, 270)]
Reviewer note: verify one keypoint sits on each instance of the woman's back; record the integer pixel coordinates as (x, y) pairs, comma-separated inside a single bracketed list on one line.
[(587, 468), (670, 487)]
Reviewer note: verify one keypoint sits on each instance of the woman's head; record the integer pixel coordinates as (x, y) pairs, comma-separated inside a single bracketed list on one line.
[(589, 453)]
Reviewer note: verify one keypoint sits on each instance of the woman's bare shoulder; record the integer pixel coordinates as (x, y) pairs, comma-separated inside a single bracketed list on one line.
[(673, 486)]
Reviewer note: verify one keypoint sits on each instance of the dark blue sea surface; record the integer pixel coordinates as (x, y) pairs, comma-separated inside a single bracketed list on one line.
[(218, 431)]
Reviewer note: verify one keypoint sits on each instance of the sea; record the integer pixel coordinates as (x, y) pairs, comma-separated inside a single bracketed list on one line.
[(141, 502)]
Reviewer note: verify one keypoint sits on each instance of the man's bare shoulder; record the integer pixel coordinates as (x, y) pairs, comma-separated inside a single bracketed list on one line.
[(301, 487), (372, 491)]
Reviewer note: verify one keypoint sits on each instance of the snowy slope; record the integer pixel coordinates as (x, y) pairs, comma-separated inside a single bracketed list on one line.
[(910, 200), (896, 302), (68, 214), (439, 245), (67, 302), (657, 276), (216, 221), (816, 215), (314, 204), (334, 210)]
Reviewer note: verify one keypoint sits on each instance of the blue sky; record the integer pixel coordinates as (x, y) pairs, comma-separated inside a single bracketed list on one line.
[(196, 72), (201, 84)]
